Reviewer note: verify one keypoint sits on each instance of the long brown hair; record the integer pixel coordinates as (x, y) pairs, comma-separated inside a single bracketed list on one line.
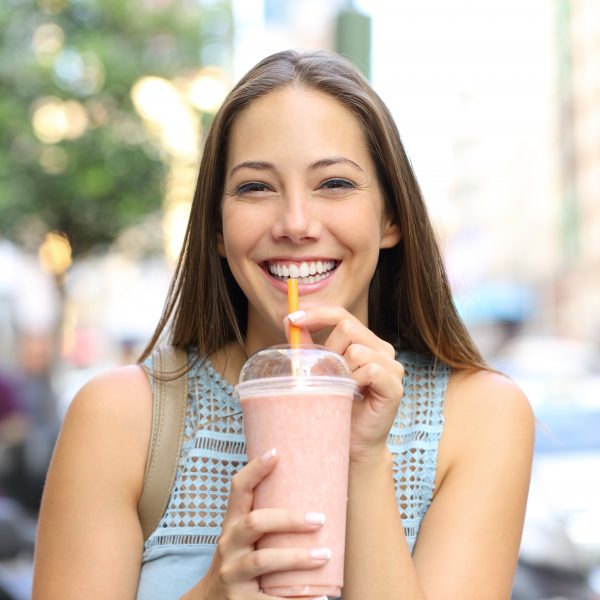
[(410, 303)]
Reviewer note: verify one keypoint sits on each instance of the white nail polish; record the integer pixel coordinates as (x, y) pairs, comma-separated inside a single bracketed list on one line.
[(268, 455), (320, 553), (314, 518), (296, 316)]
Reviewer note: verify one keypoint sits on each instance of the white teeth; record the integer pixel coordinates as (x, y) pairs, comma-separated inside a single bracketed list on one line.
[(309, 272)]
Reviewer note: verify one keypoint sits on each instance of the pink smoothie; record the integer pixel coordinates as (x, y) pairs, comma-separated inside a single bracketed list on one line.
[(310, 428)]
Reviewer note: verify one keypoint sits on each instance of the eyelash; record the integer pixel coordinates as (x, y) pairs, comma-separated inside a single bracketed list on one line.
[(339, 184), (251, 186), (335, 183)]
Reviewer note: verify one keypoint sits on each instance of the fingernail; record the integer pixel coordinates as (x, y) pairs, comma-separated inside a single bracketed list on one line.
[(320, 553), (268, 455), (296, 316), (314, 518)]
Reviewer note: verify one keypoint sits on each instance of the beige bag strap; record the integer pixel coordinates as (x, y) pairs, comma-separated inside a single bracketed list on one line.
[(168, 421)]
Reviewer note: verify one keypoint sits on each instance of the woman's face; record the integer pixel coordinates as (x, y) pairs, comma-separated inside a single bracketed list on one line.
[(301, 199)]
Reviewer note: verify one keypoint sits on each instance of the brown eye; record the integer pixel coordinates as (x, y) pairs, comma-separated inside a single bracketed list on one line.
[(252, 186), (335, 184)]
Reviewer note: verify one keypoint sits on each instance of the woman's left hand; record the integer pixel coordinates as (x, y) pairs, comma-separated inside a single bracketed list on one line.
[(374, 367)]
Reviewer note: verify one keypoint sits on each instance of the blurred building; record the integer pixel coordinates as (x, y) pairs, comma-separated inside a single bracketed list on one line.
[(578, 68), (497, 104), (262, 27)]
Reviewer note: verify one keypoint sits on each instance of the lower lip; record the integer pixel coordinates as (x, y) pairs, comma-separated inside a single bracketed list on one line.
[(303, 288)]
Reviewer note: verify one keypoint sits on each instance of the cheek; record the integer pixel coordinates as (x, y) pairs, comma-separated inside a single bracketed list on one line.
[(242, 228), (358, 228)]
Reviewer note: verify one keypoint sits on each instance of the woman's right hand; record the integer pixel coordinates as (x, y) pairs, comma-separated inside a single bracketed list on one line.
[(236, 565)]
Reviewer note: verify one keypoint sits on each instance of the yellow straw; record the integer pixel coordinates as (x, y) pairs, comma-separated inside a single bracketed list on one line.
[(293, 306)]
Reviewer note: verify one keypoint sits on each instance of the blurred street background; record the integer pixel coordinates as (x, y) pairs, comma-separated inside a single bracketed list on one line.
[(104, 105)]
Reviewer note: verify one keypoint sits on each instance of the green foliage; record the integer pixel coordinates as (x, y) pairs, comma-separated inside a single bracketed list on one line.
[(90, 52)]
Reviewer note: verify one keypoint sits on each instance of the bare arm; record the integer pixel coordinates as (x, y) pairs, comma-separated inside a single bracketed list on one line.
[(468, 543), (89, 540)]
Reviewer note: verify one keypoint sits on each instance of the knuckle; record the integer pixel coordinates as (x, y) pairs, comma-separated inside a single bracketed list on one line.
[(389, 350), (258, 562), (372, 370), (222, 545), (252, 523), (346, 326), (226, 573), (353, 352), (238, 486)]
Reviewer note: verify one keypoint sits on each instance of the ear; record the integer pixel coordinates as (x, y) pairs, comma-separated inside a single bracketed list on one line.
[(390, 235), (221, 244)]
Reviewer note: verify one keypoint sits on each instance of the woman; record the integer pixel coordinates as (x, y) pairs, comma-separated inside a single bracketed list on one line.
[(303, 175)]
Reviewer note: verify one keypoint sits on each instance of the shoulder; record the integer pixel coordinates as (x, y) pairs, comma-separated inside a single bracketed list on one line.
[(88, 521), (111, 415), (123, 393), (483, 398), (485, 414)]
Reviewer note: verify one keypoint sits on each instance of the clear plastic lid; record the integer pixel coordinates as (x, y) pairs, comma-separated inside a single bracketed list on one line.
[(301, 366)]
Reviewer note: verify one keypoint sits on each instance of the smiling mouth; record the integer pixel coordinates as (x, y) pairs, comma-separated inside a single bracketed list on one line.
[(304, 272)]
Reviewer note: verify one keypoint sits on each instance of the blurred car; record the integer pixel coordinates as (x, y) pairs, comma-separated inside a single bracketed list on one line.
[(560, 549)]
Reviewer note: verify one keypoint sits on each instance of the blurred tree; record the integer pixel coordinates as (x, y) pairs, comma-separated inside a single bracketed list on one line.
[(74, 155)]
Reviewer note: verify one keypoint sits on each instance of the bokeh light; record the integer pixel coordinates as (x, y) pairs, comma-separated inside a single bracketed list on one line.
[(54, 120), (55, 253), (46, 41), (208, 89), (167, 116), (153, 97), (81, 73)]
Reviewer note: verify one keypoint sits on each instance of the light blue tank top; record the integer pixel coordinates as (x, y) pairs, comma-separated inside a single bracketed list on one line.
[(178, 553)]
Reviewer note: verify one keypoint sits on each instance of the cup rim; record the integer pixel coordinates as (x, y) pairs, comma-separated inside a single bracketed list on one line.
[(330, 384)]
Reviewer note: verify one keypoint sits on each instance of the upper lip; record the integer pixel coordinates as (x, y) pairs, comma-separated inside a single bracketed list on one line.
[(298, 259)]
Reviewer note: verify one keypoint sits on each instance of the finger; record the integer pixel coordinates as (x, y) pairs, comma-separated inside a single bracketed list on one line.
[(262, 596), (359, 355), (271, 560), (255, 524), (346, 328), (386, 391), (245, 480), (351, 331)]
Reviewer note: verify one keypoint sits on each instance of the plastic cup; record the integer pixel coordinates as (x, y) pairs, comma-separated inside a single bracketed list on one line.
[(298, 399)]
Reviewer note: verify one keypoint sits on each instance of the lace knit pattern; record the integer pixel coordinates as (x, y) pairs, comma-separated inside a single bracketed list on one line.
[(214, 450)]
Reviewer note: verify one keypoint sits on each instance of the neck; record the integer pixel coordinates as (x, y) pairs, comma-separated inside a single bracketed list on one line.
[(228, 361)]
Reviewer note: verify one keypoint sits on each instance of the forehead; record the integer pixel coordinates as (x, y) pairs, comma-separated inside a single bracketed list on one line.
[(296, 121)]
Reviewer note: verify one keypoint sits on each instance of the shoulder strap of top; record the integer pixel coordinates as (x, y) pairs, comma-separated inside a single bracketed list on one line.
[(169, 395)]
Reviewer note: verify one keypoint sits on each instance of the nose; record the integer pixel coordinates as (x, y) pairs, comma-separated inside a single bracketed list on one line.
[(296, 221)]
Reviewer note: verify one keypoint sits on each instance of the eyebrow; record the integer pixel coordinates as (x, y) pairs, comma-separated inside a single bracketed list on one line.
[(261, 165), (335, 160)]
